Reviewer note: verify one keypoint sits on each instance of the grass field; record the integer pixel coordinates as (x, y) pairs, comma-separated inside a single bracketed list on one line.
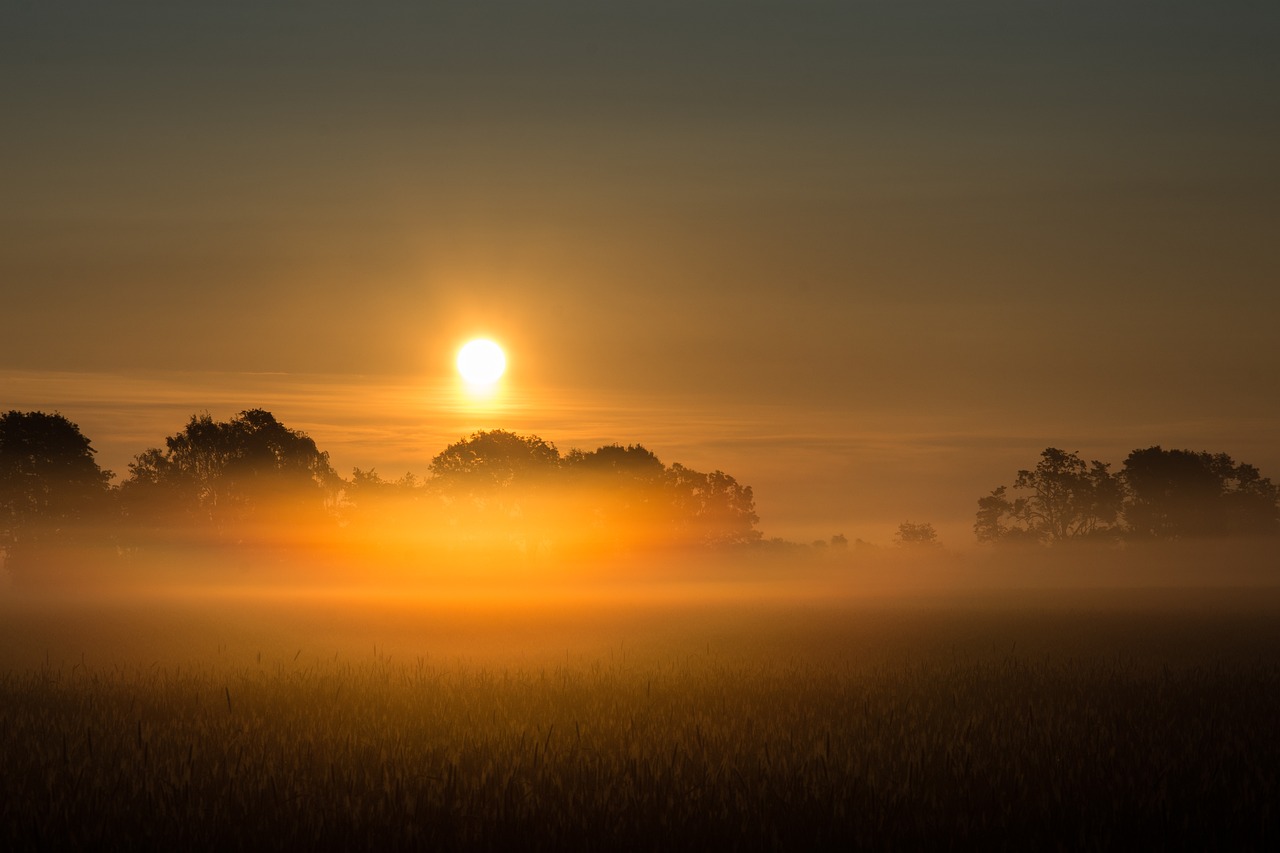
[(665, 717)]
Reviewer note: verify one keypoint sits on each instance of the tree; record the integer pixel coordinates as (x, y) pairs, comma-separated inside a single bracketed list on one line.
[(712, 508), (618, 491), (231, 473), (998, 517), (1176, 494), (1063, 499), (916, 535), (632, 463), (496, 488), (486, 463), (50, 483)]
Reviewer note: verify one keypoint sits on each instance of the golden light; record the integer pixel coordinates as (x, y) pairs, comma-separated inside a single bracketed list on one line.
[(481, 362)]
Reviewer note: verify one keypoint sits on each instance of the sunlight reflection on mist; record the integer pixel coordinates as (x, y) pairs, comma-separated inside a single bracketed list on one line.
[(194, 605)]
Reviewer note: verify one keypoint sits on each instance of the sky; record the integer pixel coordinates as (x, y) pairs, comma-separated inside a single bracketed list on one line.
[(870, 258)]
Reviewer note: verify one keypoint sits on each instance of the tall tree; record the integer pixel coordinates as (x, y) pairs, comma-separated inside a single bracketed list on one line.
[(1179, 493), (618, 493), (50, 483), (487, 462), (1062, 498), (631, 463), (495, 487), (228, 473), (712, 508)]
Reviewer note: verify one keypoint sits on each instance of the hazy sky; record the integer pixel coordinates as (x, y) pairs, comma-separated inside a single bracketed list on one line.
[(868, 257)]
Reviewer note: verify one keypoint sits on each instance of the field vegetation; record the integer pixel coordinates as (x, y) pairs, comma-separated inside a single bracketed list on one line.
[(807, 708)]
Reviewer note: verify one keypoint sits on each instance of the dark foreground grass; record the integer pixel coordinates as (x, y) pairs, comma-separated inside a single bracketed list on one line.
[(841, 725)]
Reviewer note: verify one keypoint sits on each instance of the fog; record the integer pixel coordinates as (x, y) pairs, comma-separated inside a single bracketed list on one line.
[(200, 605), (214, 698)]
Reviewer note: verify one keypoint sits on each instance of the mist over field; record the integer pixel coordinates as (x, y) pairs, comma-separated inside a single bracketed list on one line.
[(1085, 697), (236, 647), (197, 606)]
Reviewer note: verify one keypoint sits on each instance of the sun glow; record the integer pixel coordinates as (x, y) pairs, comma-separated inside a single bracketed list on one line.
[(481, 363)]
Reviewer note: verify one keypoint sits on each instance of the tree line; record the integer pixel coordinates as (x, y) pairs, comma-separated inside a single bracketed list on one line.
[(1157, 495), (252, 479)]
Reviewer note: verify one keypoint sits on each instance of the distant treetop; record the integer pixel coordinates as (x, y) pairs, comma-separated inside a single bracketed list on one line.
[(1159, 494)]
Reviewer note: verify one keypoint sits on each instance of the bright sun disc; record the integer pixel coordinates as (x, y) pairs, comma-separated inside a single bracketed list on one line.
[(481, 362)]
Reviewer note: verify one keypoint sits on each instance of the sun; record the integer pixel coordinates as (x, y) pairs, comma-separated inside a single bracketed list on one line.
[(481, 362)]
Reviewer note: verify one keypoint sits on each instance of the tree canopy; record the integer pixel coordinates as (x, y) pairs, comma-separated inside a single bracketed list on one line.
[(226, 473), (251, 476), (713, 508), (495, 459), (1062, 498), (1174, 494), (1159, 494), (623, 493), (50, 483)]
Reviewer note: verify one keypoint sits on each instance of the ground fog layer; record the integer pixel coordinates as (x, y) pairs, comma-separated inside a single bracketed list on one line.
[(643, 718)]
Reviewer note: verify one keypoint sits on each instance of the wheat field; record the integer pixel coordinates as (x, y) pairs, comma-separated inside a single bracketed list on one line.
[(632, 720)]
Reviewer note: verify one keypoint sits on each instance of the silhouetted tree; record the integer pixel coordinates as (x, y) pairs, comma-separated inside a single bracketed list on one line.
[(1177, 493), (494, 467), (497, 486), (712, 508), (632, 463), (1064, 498), (916, 535), (618, 490), (50, 484), (229, 473), (998, 516), (491, 460)]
